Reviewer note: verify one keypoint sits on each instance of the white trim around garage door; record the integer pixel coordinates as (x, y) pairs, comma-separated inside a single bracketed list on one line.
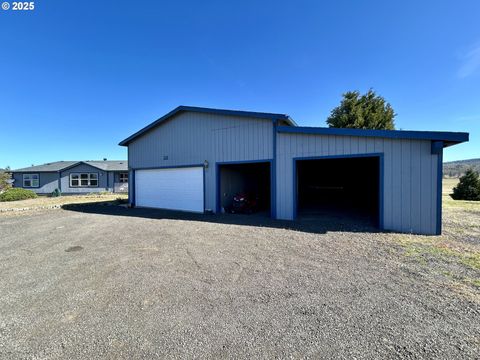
[(173, 188)]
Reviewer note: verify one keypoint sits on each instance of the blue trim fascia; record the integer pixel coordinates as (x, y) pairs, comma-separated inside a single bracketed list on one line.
[(240, 162), (381, 206), (273, 173), (218, 194), (294, 188), (348, 156), (252, 114), (132, 201), (204, 190), (437, 147), (439, 192), (452, 137)]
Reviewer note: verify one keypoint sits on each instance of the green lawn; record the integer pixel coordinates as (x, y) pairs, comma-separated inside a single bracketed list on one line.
[(455, 254)]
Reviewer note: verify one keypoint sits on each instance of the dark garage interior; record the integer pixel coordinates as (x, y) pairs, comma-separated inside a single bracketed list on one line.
[(252, 179), (346, 188)]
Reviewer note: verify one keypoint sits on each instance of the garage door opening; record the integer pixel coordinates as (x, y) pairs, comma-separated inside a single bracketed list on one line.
[(341, 188), (244, 188)]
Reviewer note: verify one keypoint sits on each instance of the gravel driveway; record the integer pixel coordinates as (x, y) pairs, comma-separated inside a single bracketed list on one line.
[(119, 283)]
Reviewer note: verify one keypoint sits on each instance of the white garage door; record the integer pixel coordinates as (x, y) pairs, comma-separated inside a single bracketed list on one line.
[(175, 189)]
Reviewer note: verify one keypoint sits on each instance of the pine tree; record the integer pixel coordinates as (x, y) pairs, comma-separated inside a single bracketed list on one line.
[(368, 111), (468, 188)]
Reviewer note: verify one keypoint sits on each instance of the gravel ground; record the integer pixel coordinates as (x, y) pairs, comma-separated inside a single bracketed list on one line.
[(131, 283)]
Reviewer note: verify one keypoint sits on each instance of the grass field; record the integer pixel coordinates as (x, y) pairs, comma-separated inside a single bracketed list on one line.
[(456, 253)]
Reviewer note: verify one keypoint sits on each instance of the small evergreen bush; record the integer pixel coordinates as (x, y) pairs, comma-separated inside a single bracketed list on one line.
[(56, 193), (15, 194), (468, 188)]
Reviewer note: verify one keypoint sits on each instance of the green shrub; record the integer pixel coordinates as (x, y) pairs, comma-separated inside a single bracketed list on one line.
[(468, 188), (5, 177), (56, 193), (15, 194)]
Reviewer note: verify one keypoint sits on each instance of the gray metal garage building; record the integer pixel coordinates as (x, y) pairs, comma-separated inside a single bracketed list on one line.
[(195, 159)]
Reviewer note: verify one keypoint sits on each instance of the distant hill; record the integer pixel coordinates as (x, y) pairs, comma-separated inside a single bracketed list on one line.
[(458, 168)]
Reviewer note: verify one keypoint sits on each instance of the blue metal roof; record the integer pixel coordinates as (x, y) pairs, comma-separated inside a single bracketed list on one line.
[(448, 138), (251, 114)]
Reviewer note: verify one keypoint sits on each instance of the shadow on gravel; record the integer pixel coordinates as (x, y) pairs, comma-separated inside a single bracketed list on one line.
[(318, 225)]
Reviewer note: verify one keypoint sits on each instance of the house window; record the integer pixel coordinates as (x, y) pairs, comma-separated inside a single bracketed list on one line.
[(84, 180), (31, 181), (124, 177)]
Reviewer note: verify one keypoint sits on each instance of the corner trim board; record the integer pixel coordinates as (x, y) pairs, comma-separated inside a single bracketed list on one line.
[(439, 192)]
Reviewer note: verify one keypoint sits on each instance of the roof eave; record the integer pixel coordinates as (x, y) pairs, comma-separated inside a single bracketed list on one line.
[(449, 138)]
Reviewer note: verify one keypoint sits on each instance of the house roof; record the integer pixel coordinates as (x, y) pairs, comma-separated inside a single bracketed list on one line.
[(250, 114), (448, 138), (105, 165), (109, 165)]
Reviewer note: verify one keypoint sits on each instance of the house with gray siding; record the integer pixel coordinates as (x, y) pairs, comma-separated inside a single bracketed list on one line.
[(196, 159), (74, 177)]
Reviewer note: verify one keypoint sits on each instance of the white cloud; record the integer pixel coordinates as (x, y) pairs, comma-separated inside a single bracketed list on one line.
[(470, 62)]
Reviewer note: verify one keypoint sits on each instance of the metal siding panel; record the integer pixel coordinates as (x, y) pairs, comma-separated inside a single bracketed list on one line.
[(354, 145), (362, 145), (339, 148), (370, 146), (415, 194), (388, 181), (347, 145), (396, 185), (324, 150), (378, 146), (406, 186), (426, 196), (331, 145)]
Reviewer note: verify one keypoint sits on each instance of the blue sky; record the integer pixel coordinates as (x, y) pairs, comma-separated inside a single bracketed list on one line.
[(79, 76)]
